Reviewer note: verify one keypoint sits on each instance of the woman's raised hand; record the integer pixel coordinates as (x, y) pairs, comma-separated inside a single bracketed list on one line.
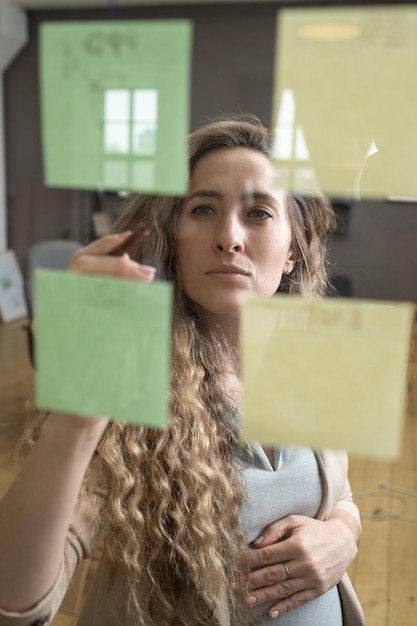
[(96, 258), (39, 504)]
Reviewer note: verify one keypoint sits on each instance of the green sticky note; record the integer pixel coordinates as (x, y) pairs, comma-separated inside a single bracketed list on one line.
[(115, 104), (326, 374), (344, 103), (102, 346)]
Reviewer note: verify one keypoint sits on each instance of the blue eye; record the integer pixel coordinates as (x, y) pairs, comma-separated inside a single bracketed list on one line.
[(260, 214), (203, 209)]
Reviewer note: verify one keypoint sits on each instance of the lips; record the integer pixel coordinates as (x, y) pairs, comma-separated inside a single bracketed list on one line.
[(228, 269)]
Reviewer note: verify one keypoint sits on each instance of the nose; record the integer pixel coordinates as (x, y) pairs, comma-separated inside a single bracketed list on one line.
[(230, 235)]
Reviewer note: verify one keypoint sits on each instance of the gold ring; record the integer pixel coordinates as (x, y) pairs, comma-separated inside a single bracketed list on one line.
[(287, 570)]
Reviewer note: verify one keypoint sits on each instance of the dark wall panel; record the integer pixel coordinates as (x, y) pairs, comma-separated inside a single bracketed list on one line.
[(232, 68)]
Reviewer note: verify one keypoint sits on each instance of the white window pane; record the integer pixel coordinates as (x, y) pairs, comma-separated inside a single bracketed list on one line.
[(301, 150), (283, 143), (116, 173), (116, 105), (144, 138), (305, 180), (373, 149), (282, 177), (145, 105), (286, 113), (143, 175), (116, 138)]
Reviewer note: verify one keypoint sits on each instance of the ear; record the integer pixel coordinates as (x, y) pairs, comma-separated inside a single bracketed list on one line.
[(290, 261)]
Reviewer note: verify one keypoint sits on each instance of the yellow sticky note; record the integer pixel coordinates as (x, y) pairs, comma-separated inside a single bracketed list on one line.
[(344, 99), (326, 374)]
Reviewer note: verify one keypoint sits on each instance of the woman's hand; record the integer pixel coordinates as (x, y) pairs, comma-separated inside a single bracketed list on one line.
[(310, 557), (95, 258), (40, 503)]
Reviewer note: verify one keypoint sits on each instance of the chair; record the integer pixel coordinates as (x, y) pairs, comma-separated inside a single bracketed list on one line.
[(52, 254)]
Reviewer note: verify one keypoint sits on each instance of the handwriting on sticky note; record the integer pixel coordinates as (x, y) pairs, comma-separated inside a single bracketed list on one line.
[(102, 346), (109, 94), (327, 374)]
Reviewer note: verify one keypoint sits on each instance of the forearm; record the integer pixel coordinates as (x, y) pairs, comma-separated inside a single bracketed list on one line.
[(36, 511), (349, 522)]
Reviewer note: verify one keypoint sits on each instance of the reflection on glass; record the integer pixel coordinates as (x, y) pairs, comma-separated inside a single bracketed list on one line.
[(143, 175), (305, 179), (345, 94), (116, 138), (301, 152), (145, 107), (289, 145), (116, 120), (130, 134), (144, 139), (116, 173), (117, 105), (284, 131)]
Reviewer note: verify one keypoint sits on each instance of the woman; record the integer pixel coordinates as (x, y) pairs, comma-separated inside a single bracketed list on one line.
[(178, 508)]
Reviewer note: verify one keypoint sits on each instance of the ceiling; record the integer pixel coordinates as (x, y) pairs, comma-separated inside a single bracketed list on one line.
[(88, 4)]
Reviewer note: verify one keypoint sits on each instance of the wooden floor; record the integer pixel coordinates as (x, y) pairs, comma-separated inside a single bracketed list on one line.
[(385, 572)]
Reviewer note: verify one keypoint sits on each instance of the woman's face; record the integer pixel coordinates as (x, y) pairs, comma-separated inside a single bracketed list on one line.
[(233, 233)]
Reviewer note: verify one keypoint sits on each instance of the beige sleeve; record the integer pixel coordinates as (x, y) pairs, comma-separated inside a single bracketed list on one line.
[(337, 492), (345, 503), (78, 546)]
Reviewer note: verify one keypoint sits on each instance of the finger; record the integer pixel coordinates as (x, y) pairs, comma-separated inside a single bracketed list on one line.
[(292, 602), (284, 589), (271, 555), (271, 575), (104, 245), (121, 267), (277, 531)]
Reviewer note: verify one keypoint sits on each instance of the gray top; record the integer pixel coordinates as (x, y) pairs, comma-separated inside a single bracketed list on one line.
[(292, 486)]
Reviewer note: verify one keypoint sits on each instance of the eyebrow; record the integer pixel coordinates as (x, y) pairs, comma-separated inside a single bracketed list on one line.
[(205, 193), (245, 197), (260, 195)]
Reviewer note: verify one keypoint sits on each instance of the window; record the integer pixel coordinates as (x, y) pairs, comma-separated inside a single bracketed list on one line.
[(289, 149), (130, 138)]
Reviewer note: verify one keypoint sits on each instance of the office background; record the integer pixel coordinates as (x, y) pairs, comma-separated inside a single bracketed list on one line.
[(376, 249), (233, 51)]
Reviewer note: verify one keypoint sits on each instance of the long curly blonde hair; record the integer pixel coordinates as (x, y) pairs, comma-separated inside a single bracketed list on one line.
[(170, 516)]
